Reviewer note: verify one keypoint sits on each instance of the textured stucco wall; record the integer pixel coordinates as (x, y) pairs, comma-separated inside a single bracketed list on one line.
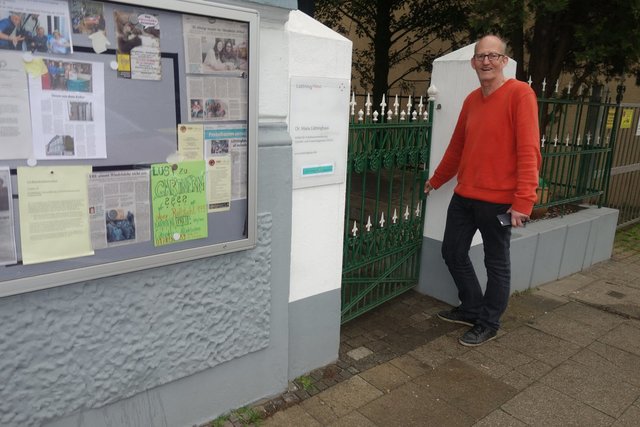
[(195, 399), (89, 344)]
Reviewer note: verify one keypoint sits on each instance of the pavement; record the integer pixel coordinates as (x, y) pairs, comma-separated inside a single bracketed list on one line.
[(568, 353)]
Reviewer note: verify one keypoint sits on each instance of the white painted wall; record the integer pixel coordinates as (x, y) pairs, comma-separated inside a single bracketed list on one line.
[(454, 79), (273, 84), (317, 212)]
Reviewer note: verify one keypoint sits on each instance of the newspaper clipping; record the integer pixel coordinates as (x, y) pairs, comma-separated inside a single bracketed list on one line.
[(68, 111), (238, 149), (217, 98), (15, 126), (119, 208), (214, 46), (7, 235), (217, 139)]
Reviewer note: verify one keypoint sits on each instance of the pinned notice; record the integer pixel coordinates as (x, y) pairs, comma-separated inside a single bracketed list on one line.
[(179, 202), (54, 215)]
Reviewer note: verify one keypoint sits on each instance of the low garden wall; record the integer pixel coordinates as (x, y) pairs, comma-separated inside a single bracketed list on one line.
[(541, 252)]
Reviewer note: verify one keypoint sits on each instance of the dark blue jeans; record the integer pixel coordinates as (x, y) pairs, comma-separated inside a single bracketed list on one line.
[(464, 217)]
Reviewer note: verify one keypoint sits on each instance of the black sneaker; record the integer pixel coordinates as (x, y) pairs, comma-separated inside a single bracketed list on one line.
[(456, 315), (478, 335)]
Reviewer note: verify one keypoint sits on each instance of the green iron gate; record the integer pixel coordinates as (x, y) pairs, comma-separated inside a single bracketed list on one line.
[(386, 169)]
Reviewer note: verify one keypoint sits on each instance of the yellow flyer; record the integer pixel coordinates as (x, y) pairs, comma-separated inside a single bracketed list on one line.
[(627, 118), (54, 214)]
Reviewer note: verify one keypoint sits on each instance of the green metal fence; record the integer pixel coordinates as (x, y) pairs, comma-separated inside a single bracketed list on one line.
[(577, 137), (386, 168), (387, 163)]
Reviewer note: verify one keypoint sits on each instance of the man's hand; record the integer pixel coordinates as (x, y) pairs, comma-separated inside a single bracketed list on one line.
[(518, 219), (427, 188), (16, 39)]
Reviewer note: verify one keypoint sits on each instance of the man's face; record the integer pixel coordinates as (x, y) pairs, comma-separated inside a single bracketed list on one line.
[(486, 69), (15, 19)]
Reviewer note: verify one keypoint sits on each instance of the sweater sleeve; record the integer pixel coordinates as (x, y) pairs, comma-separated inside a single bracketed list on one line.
[(448, 166), (527, 152)]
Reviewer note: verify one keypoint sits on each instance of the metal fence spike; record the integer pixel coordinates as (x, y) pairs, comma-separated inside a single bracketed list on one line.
[(353, 103)]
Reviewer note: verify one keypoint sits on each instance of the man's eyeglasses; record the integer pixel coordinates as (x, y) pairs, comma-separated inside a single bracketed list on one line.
[(493, 57)]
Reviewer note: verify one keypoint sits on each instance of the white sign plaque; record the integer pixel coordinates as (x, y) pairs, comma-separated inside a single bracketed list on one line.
[(319, 128)]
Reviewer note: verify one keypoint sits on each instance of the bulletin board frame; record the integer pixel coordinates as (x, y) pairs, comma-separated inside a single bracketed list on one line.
[(18, 278)]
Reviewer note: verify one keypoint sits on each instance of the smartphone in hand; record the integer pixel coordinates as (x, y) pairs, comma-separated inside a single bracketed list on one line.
[(505, 219)]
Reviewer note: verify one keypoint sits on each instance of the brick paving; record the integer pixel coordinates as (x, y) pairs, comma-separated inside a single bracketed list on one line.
[(400, 365), (386, 333)]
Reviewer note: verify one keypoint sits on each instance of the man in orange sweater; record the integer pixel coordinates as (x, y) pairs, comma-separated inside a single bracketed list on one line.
[(494, 151)]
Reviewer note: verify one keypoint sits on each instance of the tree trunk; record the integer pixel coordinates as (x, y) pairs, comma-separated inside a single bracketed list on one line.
[(548, 48), (307, 6), (382, 43)]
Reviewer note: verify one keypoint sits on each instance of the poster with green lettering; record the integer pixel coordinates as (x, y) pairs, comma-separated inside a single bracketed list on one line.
[(179, 200)]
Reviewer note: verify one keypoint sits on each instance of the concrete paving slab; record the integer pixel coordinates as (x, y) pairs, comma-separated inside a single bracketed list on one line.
[(359, 353), (630, 418), (567, 329), (633, 322), (517, 380), (591, 316), (354, 419), (485, 364), (340, 400), (539, 345), (385, 377), (503, 354), (294, 416), (548, 295), (592, 387), (567, 285), (319, 410), (534, 369), (614, 362), (626, 337), (410, 365), (612, 297), (412, 405), (439, 351), (540, 405), (524, 308), (499, 418), (620, 273), (465, 387)]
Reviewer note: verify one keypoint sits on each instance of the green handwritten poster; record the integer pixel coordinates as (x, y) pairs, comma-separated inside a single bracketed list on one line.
[(179, 201)]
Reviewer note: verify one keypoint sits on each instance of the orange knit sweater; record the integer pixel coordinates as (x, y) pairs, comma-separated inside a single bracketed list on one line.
[(495, 149)]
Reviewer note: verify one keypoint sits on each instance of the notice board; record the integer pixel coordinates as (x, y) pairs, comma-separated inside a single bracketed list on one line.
[(127, 136)]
